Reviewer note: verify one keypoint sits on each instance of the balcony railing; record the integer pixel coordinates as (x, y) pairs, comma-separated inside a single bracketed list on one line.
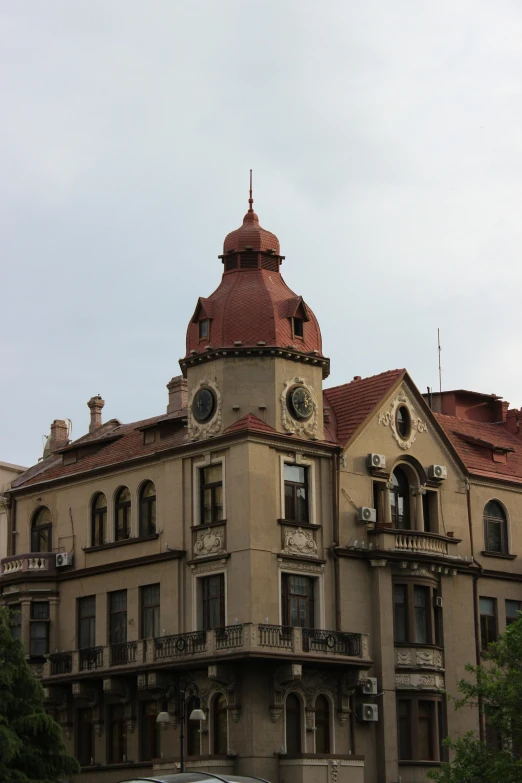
[(181, 644), (30, 563), (414, 542), (280, 641), (61, 663), (123, 653), (90, 658)]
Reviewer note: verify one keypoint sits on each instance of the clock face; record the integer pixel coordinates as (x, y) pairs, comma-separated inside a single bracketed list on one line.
[(301, 402), (203, 405)]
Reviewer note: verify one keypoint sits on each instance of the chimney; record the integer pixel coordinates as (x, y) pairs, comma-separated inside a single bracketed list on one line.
[(177, 387), (513, 419), (95, 406), (59, 436)]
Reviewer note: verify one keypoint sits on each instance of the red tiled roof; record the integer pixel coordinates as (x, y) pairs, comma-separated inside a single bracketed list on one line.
[(249, 422), (252, 306), (128, 446), (474, 441), (353, 402), (250, 234)]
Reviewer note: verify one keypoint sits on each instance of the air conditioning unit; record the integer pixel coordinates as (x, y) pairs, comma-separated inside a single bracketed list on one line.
[(437, 472), (365, 514), (376, 461), (369, 686), (64, 559), (368, 713)]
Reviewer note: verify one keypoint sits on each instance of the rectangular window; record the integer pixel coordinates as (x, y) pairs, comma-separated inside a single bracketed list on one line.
[(117, 734), (15, 620), (211, 497), (39, 631), (401, 613), (488, 621), (85, 737), (86, 622), (204, 329), (512, 610), (298, 600), (118, 617), (420, 728), (298, 327), (213, 601), (296, 493), (150, 612), (421, 614)]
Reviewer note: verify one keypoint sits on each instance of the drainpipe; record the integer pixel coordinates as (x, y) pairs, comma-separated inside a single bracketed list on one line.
[(335, 512), (476, 615)]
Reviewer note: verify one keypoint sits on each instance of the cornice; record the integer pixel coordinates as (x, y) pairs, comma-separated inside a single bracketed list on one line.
[(267, 351)]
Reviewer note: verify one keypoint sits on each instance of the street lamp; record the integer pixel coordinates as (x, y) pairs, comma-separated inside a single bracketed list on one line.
[(196, 714)]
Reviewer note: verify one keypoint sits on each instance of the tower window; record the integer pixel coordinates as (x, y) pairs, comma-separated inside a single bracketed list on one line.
[(204, 329), (298, 327)]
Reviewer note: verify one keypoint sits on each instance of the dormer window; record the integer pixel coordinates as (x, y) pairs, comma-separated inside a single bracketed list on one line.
[(298, 327), (204, 329)]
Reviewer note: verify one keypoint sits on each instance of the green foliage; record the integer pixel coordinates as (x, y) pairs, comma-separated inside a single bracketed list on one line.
[(31, 746), (495, 689)]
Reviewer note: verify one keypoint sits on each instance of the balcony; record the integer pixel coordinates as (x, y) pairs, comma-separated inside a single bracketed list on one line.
[(241, 640), (412, 542), (28, 564)]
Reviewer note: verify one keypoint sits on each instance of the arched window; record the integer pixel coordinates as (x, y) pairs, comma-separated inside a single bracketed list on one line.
[(42, 531), (123, 514), (192, 741), (495, 528), (400, 500), (219, 727), (147, 509), (99, 520), (322, 725), (293, 724)]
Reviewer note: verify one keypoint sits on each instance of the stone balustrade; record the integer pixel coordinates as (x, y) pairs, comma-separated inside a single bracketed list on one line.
[(30, 563)]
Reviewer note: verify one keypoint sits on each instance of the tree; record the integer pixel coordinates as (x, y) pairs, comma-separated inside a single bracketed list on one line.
[(496, 691), (31, 746)]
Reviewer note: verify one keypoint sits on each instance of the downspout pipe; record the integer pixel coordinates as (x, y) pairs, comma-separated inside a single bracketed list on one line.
[(476, 614), (335, 544)]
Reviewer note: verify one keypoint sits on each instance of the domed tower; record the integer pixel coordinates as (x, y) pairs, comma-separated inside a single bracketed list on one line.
[(254, 346)]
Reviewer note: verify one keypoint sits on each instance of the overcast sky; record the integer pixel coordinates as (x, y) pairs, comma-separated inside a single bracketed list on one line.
[(385, 139)]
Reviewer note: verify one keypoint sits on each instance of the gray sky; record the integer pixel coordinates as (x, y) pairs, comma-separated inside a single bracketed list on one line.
[(387, 154)]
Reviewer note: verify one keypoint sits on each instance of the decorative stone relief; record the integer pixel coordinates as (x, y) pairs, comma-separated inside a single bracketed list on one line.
[(310, 719), (197, 430), (388, 419), (404, 658), (420, 681), (421, 572), (204, 567), (437, 659), (424, 657), (313, 569), (209, 542), (299, 542), (302, 428), (334, 771)]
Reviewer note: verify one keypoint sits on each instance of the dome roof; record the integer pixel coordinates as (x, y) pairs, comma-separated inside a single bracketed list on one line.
[(251, 235)]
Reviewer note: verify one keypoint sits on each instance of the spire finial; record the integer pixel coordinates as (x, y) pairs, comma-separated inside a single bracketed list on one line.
[(250, 200)]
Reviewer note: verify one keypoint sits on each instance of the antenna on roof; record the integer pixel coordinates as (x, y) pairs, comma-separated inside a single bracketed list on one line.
[(250, 200), (440, 367)]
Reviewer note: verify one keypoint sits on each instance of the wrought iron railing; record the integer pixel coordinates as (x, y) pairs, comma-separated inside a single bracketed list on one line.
[(280, 636), (61, 663), (229, 636), (180, 644), (123, 653), (315, 640), (90, 658)]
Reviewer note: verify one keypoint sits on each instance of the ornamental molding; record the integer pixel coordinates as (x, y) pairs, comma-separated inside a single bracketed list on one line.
[(419, 658), (298, 542), (420, 681), (295, 426), (388, 419), (210, 542), (290, 565), (205, 429), (204, 568)]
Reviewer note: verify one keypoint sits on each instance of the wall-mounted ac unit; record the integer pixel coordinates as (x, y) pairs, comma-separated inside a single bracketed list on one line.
[(369, 686), (64, 559), (376, 461), (368, 713), (365, 514), (437, 472)]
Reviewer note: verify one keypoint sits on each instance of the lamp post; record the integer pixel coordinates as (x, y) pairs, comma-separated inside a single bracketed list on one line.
[(185, 686)]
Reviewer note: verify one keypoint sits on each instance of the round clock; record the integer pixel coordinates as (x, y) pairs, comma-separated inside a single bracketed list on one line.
[(203, 405), (301, 402)]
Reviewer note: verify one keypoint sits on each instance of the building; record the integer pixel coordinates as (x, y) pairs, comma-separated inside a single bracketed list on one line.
[(321, 563), (7, 473)]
